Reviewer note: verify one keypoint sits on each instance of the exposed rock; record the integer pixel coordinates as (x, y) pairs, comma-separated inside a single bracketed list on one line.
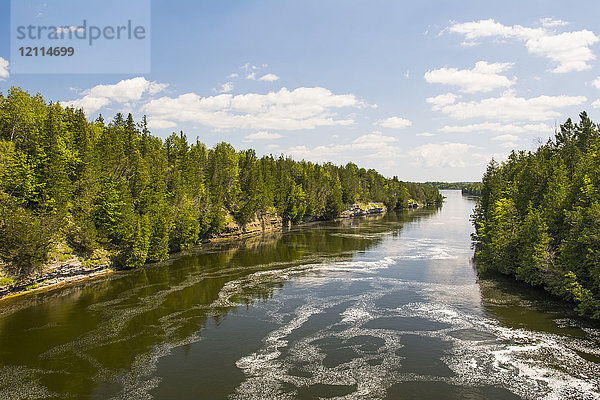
[(53, 275), (262, 222), (362, 209)]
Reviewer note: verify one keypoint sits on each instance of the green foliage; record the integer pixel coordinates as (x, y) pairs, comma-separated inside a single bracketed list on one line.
[(334, 204), (538, 216), (448, 185), (472, 189), (5, 281), (114, 186), (25, 238)]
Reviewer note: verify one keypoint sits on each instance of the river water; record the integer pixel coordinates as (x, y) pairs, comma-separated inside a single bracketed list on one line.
[(372, 308)]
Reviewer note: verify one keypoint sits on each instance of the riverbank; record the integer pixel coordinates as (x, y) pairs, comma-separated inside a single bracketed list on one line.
[(75, 269)]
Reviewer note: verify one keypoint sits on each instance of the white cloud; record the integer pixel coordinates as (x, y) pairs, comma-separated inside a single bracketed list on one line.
[(425, 134), (251, 76), (497, 127), (394, 123), (507, 137), (552, 23), (373, 141), (4, 74), (318, 153), (269, 78), (124, 91), (160, 124), (369, 146), (89, 103), (509, 145), (432, 155), (226, 87), (484, 77), (510, 107), (596, 104), (301, 108), (263, 135), (596, 82), (442, 100), (233, 75), (570, 50)]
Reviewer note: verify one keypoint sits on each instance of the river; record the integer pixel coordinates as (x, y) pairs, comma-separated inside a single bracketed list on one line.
[(383, 307)]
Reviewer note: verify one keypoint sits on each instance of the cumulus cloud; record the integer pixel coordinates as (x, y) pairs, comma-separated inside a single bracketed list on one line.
[(570, 50), (4, 74), (318, 153), (440, 155), (394, 123), (269, 78), (509, 145), (596, 82), (371, 145), (504, 138), (510, 107), (497, 127), (226, 87), (160, 124), (301, 108), (263, 135), (425, 134), (375, 141), (442, 100), (596, 104), (484, 77), (125, 91)]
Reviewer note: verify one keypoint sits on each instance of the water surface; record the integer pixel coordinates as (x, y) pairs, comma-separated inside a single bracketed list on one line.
[(386, 307)]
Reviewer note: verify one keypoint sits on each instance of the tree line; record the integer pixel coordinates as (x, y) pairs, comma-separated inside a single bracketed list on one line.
[(448, 185), (472, 189), (538, 217), (112, 185)]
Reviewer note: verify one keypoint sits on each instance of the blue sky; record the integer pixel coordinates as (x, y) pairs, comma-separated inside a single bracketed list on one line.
[(426, 90)]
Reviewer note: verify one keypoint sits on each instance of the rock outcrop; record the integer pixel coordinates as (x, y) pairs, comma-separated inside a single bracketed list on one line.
[(262, 222), (362, 209), (54, 275)]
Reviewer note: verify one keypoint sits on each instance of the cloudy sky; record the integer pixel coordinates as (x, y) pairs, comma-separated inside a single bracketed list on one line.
[(426, 90)]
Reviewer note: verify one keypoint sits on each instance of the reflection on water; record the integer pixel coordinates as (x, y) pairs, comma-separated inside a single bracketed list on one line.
[(386, 307)]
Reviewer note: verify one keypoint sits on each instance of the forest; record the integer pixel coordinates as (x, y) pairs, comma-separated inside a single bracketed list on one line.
[(538, 216), (472, 189), (113, 185), (448, 185)]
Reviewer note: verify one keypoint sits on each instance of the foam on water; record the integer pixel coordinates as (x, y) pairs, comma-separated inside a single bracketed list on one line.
[(14, 384), (532, 365)]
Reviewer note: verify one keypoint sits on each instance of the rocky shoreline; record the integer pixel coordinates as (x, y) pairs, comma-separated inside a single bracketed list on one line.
[(73, 270), (60, 274), (262, 222)]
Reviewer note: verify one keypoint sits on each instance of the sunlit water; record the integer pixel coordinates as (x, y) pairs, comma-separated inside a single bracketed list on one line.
[(387, 307)]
